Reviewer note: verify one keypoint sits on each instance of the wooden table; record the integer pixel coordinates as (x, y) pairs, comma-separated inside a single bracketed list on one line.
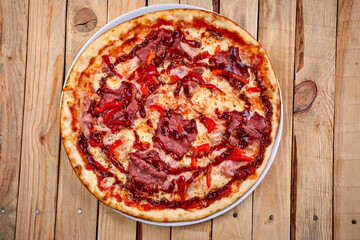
[(312, 191)]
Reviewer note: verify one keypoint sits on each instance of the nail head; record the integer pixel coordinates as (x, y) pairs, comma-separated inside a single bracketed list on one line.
[(235, 215), (271, 217), (37, 212), (79, 211), (315, 218), (353, 221), (2, 210)]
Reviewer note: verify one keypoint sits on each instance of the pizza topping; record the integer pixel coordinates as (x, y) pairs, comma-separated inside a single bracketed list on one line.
[(253, 89), (150, 57), (108, 105), (239, 155), (208, 177), (229, 74), (182, 186), (167, 136), (141, 146), (85, 118), (157, 108), (152, 43), (204, 148), (208, 123), (254, 126), (90, 162), (228, 168), (111, 66), (147, 169), (191, 51), (230, 61), (184, 83)]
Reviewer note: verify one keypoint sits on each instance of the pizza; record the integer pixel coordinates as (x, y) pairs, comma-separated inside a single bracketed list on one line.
[(171, 116)]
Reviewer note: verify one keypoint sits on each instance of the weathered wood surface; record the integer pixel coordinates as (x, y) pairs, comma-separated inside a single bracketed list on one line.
[(313, 128), (40, 139), (13, 42), (346, 193), (311, 192)]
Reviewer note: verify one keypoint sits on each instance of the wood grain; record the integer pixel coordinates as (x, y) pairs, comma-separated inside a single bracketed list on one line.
[(111, 224), (201, 230), (77, 209), (271, 206), (13, 37), (237, 223), (347, 117), (315, 125), (40, 141)]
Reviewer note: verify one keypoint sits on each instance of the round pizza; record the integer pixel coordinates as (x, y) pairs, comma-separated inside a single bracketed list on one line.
[(171, 116)]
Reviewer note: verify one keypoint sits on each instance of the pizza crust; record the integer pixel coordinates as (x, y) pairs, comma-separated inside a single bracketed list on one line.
[(88, 178)]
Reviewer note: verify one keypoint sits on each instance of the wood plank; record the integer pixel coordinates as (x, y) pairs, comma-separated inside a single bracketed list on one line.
[(13, 37), (112, 225), (237, 223), (272, 198), (201, 230), (347, 117), (77, 209), (315, 54), (40, 139)]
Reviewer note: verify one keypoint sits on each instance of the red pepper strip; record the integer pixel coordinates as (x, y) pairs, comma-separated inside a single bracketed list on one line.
[(93, 143), (217, 50), (208, 177), (116, 144), (157, 108), (100, 167), (198, 77), (150, 57), (208, 123), (229, 74), (127, 122), (181, 186), (202, 148), (149, 71), (145, 90), (110, 65), (108, 115), (179, 129), (253, 89), (174, 79), (239, 155), (109, 105), (114, 128), (211, 86), (193, 163), (154, 80)]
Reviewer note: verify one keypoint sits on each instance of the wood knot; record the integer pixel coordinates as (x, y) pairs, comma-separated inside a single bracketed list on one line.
[(305, 94), (85, 20)]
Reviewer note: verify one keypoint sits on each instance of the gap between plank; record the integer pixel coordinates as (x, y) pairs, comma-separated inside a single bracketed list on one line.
[(333, 127)]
